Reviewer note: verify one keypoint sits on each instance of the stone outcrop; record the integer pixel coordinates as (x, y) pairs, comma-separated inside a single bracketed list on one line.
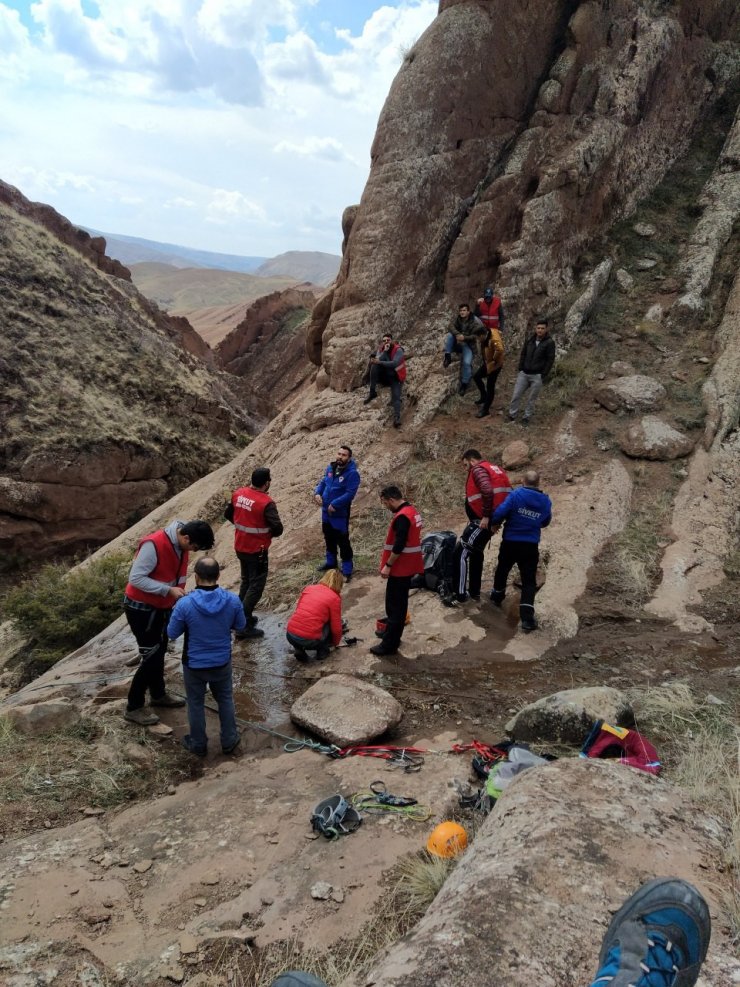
[(652, 438), (515, 454), (44, 717), (344, 710), (506, 172), (635, 393), (566, 717)]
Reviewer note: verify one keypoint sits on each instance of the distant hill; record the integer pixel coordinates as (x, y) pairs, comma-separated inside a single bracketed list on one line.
[(304, 265), (136, 250), (181, 290)]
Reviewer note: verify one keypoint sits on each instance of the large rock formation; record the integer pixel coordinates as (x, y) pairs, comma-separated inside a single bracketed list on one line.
[(512, 135), (107, 405)]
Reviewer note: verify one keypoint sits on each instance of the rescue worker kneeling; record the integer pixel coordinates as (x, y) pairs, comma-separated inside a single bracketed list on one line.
[(316, 622)]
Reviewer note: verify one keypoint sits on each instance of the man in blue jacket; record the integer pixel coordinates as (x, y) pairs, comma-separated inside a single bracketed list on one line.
[(207, 616), (524, 513), (334, 494)]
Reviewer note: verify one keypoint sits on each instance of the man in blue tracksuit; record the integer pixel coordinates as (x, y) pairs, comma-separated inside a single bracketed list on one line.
[(524, 513), (334, 493), (207, 616)]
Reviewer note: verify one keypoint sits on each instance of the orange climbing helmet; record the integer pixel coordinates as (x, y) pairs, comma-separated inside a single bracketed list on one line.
[(447, 840)]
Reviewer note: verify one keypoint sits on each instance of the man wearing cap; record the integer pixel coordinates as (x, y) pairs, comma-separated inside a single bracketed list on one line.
[(256, 522), (490, 310)]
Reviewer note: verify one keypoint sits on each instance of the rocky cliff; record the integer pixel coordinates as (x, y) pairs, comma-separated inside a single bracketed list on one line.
[(108, 405)]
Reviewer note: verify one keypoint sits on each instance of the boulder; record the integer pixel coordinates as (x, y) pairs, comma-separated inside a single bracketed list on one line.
[(46, 717), (635, 393), (566, 717), (645, 264), (625, 280), (652, 438), (620, 368), (654, 313), (343, 710), (515, 454), (644, 229)]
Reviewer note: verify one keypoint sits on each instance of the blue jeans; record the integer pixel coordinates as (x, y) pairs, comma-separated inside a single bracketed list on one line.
[(466, 356), (197, 680)]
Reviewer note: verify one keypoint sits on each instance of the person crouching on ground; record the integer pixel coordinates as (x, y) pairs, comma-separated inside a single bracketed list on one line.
[(207, 616), (316, 622), (388, 368)]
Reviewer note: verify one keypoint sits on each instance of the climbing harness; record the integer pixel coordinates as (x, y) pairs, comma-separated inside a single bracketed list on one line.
[(335, 817), (408, 758), (379, 800)]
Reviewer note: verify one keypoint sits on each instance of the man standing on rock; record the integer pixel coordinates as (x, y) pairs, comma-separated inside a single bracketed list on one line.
[(400, 560), (462, 339), (486, 488), (256, 522), (334, 493), (156, 582), (490, 310), (207, 616), (524, 514), (388, 369), (535, 363)]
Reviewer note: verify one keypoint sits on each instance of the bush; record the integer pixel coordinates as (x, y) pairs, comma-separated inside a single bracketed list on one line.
[(61, 610)]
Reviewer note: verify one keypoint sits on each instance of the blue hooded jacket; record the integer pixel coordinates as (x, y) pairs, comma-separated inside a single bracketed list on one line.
[(338, 488), (207, 616), (525, 512)]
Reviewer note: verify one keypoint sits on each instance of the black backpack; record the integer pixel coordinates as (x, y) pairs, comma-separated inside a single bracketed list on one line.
[(438, 552)]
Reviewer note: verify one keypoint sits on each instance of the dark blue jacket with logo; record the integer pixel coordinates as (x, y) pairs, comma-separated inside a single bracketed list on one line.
[(525, 512), (338, 488)]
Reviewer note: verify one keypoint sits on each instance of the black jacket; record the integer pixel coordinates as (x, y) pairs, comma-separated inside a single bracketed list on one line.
[(537, 359)]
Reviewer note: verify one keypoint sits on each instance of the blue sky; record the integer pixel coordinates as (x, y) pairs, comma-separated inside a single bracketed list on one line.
[(242, 126)]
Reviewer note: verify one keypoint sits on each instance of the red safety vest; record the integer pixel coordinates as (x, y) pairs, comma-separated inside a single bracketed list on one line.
[(251, 532), (401, 368), (171, 568), (490, 312), (499, 481), (410, 561)]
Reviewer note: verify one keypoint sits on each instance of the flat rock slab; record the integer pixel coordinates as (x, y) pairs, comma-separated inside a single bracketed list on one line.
[(45, 717), (343, 710), (567, 716), (652, 438), (635, 393)]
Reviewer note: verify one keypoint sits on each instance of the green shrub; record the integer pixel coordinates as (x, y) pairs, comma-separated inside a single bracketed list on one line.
[(62, 609)]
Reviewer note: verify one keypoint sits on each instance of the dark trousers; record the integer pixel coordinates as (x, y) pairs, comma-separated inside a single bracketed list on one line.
[(254, 577), (219, 681), (396, 608), (525, 555), (487, 395), (337, 541), (387, 377), (469, 557), (149, 627), (322, 647)]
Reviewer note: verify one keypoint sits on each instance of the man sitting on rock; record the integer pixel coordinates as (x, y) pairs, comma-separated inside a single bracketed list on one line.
[(462, 339), (207, 616), (388, 368)]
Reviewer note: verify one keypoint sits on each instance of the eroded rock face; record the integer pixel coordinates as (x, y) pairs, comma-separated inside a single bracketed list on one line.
[(343, 710), (566, 717), (500, 169), (635, 393), (652, 438)]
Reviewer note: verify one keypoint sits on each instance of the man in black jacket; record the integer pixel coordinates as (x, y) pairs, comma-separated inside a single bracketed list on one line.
[(535, 363)]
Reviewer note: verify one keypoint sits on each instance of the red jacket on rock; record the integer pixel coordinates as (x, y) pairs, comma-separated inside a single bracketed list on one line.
[(171, 568), (317, 605)]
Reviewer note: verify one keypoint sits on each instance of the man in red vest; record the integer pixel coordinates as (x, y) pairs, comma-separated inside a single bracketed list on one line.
[(400, 560), (490, 310), (156, 582), (486, 487), (388, 368), (256, 522)]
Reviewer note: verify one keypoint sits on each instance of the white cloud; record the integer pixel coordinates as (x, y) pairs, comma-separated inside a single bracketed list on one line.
[(227, 205), (324, 148)]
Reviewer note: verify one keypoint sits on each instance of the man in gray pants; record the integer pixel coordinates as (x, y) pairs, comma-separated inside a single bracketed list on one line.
[(535, 363)]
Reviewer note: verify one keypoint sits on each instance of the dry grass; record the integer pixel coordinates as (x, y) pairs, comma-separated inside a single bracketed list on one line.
[(699, 742), (412, 887)]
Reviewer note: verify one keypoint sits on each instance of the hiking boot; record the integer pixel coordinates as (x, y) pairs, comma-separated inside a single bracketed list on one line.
[(463, 388), (371, 397), (529, 625), (168, 701), (396, 422), (525, 422), (187, 743), (482, 413), (324, 568), (658, 938), (232, 748), (382, 649), (497, 598), (141, 717), (248, 633), (446, 360)]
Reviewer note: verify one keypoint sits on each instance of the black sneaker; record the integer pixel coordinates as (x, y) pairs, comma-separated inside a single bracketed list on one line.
[(529, 625), (482, 413), (462, 389), (447, 360), (497, 598), (381, 649), (371, 397), (248, 633), (396, 422), (232, 748), (525, 422)]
